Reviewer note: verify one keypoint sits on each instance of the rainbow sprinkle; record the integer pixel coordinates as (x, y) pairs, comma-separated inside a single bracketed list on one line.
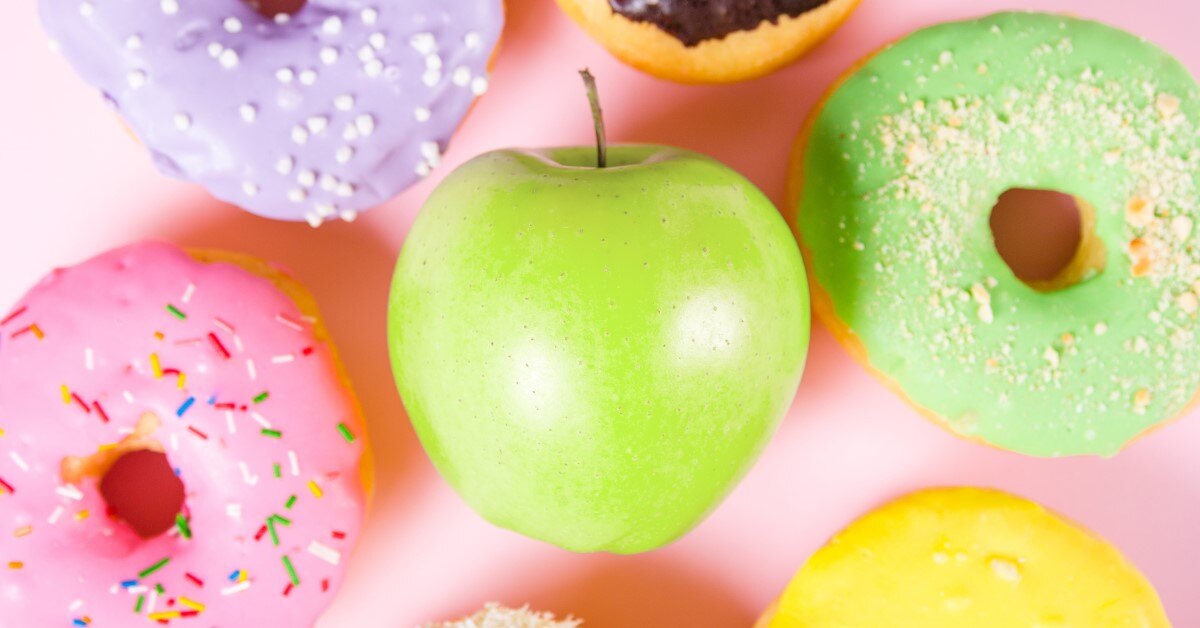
[(287, 562), (185, 529), (261, 397), (272, 433), (176, 312), (156, 366), (345, 432), (153, 568)]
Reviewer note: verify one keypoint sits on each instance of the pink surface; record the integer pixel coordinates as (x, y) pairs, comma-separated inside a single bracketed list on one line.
[(78, 185)]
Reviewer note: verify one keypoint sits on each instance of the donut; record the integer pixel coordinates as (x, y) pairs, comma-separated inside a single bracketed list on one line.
[(709, 41), (892, 187), (495, 616), (966, 557), (177, 441), (308, 116)]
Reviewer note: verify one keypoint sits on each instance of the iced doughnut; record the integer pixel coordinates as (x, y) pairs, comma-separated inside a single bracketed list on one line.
[(308, 116), (966, 557), (894, 184), (177, 442), (709, 41), (496, 616)]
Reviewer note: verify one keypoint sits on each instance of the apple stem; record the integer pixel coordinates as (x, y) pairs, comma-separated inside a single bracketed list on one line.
[(589, 82)]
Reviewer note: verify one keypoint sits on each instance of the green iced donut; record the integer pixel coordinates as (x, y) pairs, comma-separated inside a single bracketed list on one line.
[(894, 188)]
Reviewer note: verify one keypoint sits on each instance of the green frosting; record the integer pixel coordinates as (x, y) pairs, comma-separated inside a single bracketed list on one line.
[(906, 161)]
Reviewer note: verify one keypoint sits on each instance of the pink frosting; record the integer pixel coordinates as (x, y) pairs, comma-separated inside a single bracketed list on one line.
[(256, 423)]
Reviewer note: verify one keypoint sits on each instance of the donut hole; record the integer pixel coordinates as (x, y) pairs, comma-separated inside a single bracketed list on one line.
[(142, 490), (1047, 238), (270, 8)]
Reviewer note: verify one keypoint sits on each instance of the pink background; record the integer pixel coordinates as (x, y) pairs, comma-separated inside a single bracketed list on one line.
[(77, 185)]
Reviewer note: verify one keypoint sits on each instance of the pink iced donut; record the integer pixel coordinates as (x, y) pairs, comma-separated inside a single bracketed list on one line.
[(177, 442), (309, 116)]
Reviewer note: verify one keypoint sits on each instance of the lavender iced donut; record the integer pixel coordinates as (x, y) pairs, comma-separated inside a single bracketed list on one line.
[(310, 116)]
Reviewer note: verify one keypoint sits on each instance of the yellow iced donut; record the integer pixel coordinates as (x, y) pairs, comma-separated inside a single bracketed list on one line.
[(966, 557)]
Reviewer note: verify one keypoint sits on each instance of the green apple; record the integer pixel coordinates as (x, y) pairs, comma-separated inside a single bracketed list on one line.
[(594, 356)]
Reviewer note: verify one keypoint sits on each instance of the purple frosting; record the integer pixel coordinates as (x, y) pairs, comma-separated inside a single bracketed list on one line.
[(317, 115)]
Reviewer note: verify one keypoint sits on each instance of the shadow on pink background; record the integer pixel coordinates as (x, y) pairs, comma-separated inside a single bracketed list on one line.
[(76, 185)]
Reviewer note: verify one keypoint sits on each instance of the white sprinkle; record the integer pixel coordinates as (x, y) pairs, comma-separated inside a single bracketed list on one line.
[(332, 25), (229, 423), (174, 440), (133, 42), (433, 62), (284, 166), (461, 76), (287, 322), (345, 190), (283, 359), (369, 16), (253, 372), (297, 195), (58, 511), (423, 169), (170, 7), (69, 491), (325, 210), (89, 359), (350, 133), (18, 460), (365, 124), (473, 40), (285, 75), (299, 135), (325, 553), (432, 153), (344, 154), (431, 77), (237, 588), (329, 55), (250, 188), (317, 124), (215, 49), (373, 68), (422, 114), (248, 112), (183, 121), (479, 85), (1005, 569), (329, 182), (237, 342), (229, 58), (345, 102), (246, 476), (234, 511), (282, 18), (188, 293), (423, 43), (308, 77), (366, 53), (260, 419), (75, 605), (233, 25), (128, 397), (313, 219), (377, 41), (136, 78), (222, 325), (349, 215), (307, 178), (86, 9)]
